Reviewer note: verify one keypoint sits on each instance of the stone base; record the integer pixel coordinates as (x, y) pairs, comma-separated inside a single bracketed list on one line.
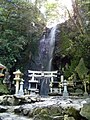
[(21, 92), (65, 94), (55, 94)]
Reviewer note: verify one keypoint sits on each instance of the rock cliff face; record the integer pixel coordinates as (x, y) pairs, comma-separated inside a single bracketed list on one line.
[(60, 58), (85, 111)]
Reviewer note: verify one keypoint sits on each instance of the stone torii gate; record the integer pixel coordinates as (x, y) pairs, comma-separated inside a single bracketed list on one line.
[(34, 79), (36, 75)]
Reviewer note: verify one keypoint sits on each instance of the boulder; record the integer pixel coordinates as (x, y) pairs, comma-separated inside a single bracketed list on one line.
[(25, 112), (48, 113), (85, 111), (19, 110), (70, 111), (47, 117), (30, 113), (17, 99), (51, 110), (66, 117), (41, 113), (8, 100), (3, 109), (42, 117)]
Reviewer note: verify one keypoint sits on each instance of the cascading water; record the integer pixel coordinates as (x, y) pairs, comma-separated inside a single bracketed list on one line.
[(46, 49), (51, 47)]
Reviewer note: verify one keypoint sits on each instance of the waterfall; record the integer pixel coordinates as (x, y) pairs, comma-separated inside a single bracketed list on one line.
[(51, 46), (46, 49)]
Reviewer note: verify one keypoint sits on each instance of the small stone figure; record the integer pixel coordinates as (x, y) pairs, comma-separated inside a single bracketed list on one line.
[(6, 77)]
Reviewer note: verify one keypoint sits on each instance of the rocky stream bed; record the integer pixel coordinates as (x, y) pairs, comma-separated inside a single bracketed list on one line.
[(44, 108)]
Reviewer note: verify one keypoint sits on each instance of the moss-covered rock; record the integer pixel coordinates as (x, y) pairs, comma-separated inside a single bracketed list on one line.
[(68, 118), (85, 111), (48, 113), (37, 111), (42, 117), (52, 110), (55, 111), (70, 111), (47, 117)]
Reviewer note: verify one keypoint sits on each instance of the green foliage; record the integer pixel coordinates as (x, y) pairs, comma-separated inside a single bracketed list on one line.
[(66, 44), (71, 69), (81, 69), (21, 24), (75, 38), (50, 12), (3, 89)]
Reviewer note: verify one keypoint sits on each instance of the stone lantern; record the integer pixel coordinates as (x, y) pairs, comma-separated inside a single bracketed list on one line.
[(21, 92), (65, 92), (17, 78)]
